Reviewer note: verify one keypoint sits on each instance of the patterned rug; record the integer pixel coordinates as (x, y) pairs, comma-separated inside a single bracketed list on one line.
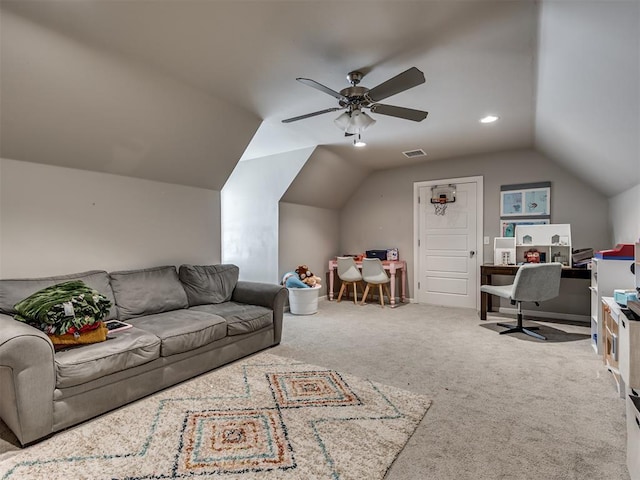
[(263, 417)]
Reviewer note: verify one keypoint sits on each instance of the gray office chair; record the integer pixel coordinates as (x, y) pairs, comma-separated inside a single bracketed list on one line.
[(534, 282)]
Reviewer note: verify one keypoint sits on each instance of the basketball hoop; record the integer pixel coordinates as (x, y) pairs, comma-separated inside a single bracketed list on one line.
[(441, 195), (440, 207)]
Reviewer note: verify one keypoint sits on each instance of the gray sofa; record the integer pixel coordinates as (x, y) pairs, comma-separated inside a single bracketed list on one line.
[(185, 323)]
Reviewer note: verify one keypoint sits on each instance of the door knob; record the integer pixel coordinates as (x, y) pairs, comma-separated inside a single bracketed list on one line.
[(472, 253)]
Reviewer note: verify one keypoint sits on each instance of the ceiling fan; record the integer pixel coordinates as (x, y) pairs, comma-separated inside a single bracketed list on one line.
[(355, 99)]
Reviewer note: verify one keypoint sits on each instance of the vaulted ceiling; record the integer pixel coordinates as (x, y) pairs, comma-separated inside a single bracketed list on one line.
[(181, 90)]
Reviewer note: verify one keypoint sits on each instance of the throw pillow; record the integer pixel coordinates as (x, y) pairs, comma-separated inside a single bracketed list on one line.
[(205, 284), (147, 291)]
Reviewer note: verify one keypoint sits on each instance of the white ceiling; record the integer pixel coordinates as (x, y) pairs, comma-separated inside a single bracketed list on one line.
[(479, 57)]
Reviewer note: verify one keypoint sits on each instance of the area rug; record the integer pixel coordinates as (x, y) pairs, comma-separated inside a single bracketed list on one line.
[(264, 417)]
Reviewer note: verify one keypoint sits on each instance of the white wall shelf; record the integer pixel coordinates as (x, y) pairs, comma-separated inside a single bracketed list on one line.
[(553, 242)]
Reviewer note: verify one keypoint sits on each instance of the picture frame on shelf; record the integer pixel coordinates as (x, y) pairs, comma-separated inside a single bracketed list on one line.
[(525, 200), (508, 225)]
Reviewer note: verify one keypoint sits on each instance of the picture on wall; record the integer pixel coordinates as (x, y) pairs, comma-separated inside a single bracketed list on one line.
[(526, 200), (511, 203), (508, 226)]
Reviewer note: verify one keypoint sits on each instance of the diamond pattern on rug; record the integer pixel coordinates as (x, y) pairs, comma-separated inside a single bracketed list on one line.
[(233, 441), (261, 417), (311, 389)]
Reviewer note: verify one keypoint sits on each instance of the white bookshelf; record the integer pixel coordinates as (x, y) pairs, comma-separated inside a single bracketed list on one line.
[(606, 275), (552, 241)]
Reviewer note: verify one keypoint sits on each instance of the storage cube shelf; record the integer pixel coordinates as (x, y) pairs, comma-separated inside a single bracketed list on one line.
[(553, 242), (606, 275), (611, 320)]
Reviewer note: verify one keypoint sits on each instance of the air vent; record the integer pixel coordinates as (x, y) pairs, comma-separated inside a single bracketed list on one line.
[(414, 153)]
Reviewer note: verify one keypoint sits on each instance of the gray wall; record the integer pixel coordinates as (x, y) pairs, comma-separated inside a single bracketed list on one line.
[(625, 216), (58, 220), (250, 212), (380, 213), (308, 236)]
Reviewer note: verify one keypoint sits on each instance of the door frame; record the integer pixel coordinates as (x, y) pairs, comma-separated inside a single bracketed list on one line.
[(479, 181)]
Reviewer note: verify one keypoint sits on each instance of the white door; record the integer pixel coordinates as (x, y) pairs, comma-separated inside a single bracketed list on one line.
[(447, 249)]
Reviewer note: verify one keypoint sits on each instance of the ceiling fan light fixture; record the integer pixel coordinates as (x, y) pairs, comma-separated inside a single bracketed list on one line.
[(358, 142), (360, 120), (342, 122)]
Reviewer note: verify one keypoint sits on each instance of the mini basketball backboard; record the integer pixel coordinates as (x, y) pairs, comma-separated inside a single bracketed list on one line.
[(441, 195)]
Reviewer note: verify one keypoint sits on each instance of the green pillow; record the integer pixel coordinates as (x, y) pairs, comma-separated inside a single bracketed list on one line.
[(63, 308)]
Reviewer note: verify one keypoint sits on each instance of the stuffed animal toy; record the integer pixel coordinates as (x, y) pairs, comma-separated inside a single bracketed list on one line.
[(312, 281), (303, 272), (307, 277), (291, 280), (301, 278)]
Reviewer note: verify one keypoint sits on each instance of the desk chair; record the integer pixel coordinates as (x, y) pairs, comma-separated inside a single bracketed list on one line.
[(373, 274), (534, 282), (348, 272)]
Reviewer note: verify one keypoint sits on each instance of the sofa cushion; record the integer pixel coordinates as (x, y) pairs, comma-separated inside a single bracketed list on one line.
[(147, 291), (122, 350), (240, 317), (208, 283), (13, 291), (182, 330)]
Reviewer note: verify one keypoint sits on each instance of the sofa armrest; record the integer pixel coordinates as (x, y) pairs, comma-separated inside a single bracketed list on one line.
[(267, 295), (27, 380)]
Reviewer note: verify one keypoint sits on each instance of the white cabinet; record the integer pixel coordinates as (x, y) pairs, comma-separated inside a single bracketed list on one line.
[(633, 436), (552, 242), (629, 351), (606, 275), (611, 315)]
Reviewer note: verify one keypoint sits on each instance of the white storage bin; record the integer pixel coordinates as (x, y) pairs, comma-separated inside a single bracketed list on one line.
[(303, 301)]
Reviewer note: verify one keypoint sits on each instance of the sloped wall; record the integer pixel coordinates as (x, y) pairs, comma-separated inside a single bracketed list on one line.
[(588, 100), (327, 180), (70, 103)]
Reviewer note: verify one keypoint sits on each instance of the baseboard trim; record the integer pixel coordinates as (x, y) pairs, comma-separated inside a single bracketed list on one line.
[(538, 314)]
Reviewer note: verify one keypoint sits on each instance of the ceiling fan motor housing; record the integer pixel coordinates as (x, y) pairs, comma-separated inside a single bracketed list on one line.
[(354, 95)]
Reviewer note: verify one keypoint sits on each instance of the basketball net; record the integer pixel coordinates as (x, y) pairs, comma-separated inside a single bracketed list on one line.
[(440, 207)]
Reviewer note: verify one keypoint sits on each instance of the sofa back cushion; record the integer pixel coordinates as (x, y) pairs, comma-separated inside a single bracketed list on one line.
[(207, 284), (147, 291), (13, 291)]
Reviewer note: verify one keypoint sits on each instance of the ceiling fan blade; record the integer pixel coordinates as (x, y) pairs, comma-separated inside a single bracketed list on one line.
[(322, 88), (308, 115), (400, 112), (401, 82)]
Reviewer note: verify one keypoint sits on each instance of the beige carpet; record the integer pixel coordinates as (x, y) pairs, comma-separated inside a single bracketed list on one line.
[(261, 417), (504, 407)]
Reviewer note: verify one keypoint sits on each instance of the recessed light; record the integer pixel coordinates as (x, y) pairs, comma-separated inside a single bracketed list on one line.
[(489, 119)]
